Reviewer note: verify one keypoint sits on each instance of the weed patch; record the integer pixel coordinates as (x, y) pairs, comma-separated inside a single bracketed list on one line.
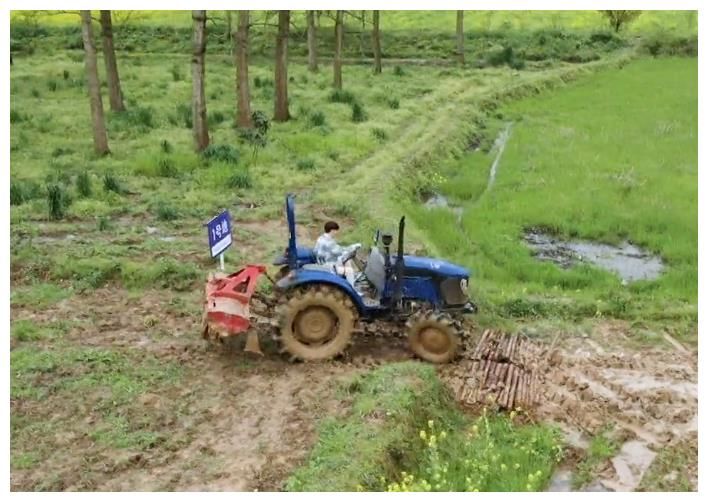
[(305, 164), (58, 201), (221, 153), (111, 183), (358, 113), (342, 96), (83, 184)]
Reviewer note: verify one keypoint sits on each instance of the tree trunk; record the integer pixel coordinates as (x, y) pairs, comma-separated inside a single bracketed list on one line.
[(376, 39), (460, 38), (115, 94), (311, 41), (200, 131), (338, 50), (100, 138), (243, 93), (281, 68)]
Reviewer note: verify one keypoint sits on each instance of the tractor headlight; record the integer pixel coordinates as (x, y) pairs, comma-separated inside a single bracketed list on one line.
[(463, 286)]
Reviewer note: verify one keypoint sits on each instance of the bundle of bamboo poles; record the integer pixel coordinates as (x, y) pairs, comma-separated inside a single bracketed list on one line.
[(499, 370)]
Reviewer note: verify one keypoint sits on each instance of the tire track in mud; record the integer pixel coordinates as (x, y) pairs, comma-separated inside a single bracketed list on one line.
[(246, 423), (234, 422), (651, 397)]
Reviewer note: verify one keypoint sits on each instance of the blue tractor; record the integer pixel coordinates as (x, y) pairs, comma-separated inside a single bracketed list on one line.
[(320, 308)]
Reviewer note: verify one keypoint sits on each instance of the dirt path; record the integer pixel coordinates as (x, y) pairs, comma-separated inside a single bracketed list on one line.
[(235, 422)]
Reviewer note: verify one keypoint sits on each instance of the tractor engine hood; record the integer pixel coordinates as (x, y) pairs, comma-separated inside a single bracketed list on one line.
[(418, 265)]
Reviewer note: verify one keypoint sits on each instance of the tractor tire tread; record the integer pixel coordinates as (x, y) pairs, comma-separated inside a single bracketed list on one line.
[(443, 322), (318, 295)]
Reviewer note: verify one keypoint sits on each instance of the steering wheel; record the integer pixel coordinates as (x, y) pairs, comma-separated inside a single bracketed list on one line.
[(350, 254)]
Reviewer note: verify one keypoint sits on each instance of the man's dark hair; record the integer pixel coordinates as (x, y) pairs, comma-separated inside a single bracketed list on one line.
[(331, 225)]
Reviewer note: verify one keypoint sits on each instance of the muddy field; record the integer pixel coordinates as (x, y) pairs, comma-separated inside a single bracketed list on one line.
[(238, 422)]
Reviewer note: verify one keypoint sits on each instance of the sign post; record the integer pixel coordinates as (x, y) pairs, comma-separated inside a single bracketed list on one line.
[(219, 231)]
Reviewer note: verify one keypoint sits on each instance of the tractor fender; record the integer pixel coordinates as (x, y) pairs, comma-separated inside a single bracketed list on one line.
[(304, 277)]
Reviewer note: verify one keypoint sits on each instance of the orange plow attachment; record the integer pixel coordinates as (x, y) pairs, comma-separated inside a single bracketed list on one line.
[(226, 309)]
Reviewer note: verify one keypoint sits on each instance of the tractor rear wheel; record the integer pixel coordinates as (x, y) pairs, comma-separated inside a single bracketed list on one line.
[(316, 323), (433, 336)]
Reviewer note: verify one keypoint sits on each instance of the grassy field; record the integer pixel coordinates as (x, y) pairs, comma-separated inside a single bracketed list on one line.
[(592, 161), (153, 177)]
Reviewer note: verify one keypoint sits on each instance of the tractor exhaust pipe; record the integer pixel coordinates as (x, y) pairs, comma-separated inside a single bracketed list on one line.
[(397, 292)]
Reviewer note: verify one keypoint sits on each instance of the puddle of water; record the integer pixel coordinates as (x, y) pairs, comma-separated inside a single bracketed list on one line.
[(630, 262), (499, 145), (630, 464), (561, 481)]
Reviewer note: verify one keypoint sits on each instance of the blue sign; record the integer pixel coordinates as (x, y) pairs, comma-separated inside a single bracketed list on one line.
[(219, 230)]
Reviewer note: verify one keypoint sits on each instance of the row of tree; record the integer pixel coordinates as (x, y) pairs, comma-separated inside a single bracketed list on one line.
[(240, 40)]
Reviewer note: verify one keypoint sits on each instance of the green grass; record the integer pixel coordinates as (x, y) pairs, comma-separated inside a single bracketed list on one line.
[(493, 454), (394, 411), (38, 295), (388, 406), (592, 161), (143, 183), (50, 388), (602, 448), (671, 469), (25, 330)]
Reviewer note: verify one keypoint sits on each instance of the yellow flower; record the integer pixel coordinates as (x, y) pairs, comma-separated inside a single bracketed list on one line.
[(528, 487), (503, 467), (443, 435), (422, 435), (516, 466), (430, 423), (512, 415)]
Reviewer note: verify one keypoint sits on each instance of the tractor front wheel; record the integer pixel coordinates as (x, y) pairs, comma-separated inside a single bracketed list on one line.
[(433, 336), (316, 323)]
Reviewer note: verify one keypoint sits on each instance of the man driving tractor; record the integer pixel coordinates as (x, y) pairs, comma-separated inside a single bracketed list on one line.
[(328, 251)]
